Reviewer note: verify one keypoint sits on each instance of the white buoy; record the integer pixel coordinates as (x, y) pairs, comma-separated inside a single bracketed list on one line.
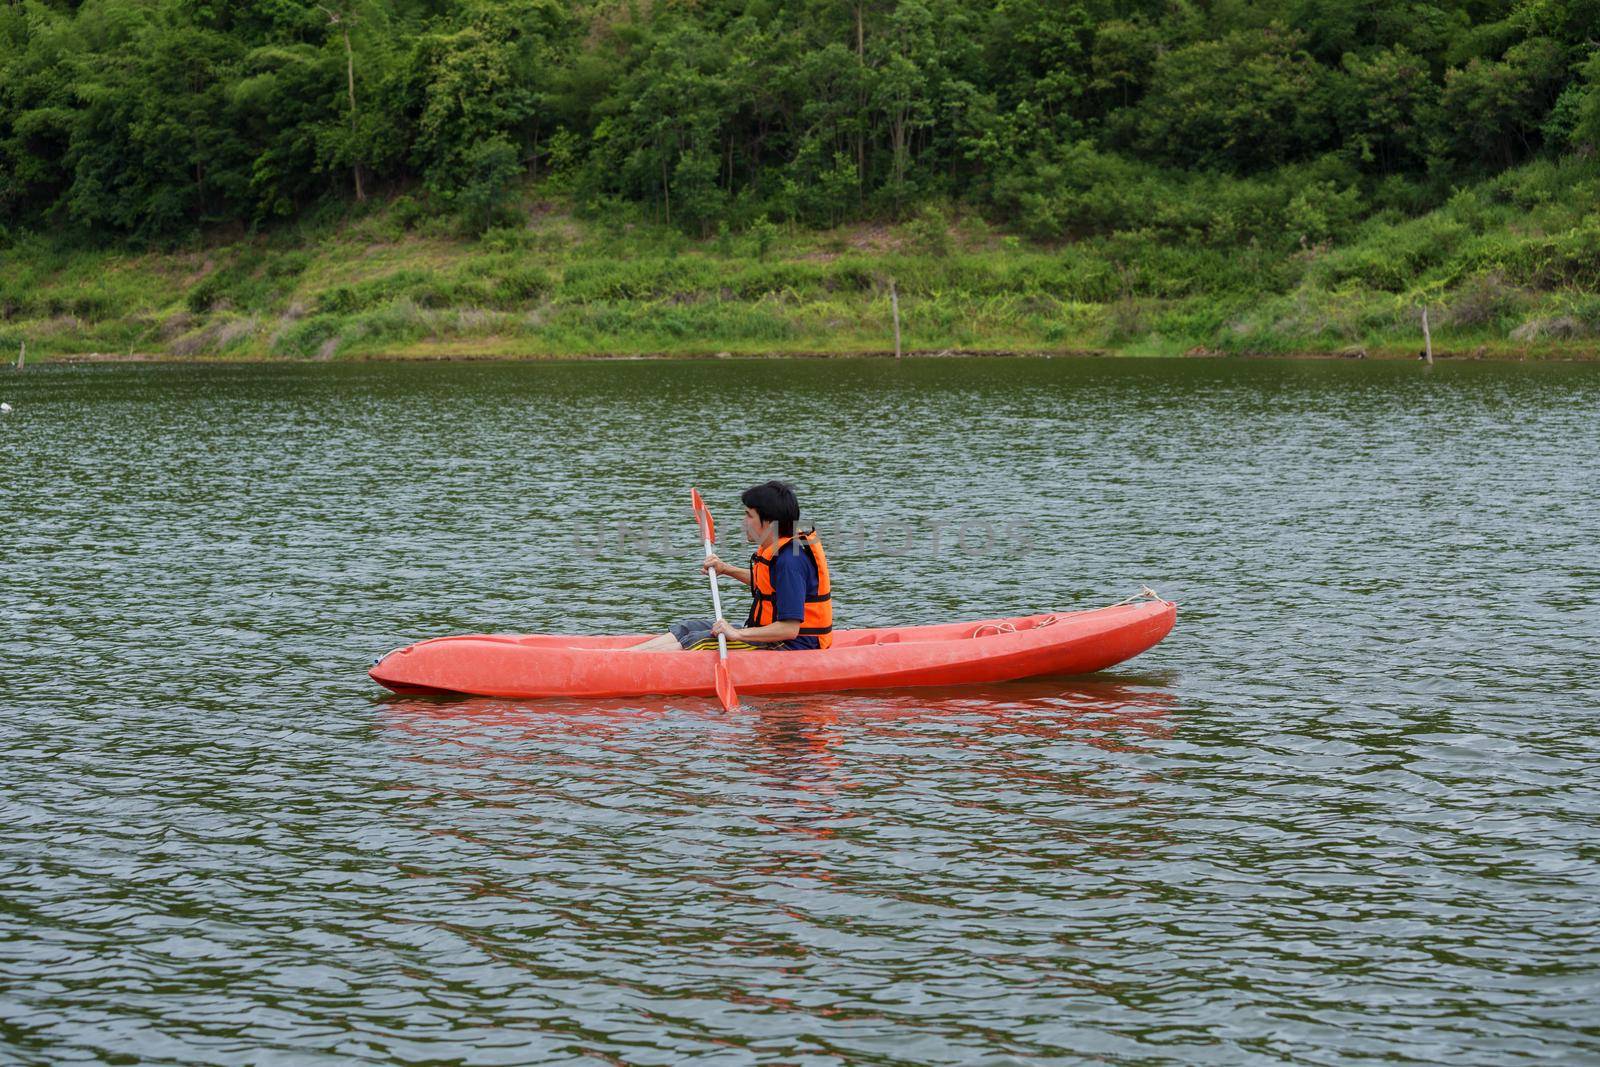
[(5, 409)]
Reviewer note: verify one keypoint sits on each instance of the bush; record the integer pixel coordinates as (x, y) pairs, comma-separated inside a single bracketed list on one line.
[(1483, 301), (308, 337), (1078, 192), (930, 232), (399, 322), (205, 293), (340, 300), (1393, 258), (253, 279), (1570, 259), (519, 285), (639, 279), (490, 170), (408, 211), (761, 234), (509, 239)]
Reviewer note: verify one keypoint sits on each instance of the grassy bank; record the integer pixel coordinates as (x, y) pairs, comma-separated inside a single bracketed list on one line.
[(1509, 268)]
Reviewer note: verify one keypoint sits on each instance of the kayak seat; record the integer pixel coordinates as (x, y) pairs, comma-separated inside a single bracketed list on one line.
[(887, 639)]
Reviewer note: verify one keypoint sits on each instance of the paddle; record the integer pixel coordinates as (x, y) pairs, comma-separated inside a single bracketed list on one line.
[(708, 532)]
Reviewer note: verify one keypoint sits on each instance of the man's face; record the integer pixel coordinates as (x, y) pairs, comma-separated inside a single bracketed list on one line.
[(752, 526)]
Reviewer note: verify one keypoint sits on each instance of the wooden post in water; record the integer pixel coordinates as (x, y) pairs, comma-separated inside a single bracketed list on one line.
[(1427, 337), (22, 354), (894, 302)]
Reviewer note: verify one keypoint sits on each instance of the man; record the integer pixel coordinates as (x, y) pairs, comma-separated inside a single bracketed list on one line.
[(791, 604)]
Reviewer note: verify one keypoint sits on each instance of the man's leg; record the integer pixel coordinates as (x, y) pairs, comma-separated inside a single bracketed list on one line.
[(663, 643)]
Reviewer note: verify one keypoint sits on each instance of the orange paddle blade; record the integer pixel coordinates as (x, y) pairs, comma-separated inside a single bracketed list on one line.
[(725, 690), (702, 515)]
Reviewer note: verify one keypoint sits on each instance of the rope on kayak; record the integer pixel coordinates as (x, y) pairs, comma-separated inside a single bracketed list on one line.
[(997, 627), (1144, 593)]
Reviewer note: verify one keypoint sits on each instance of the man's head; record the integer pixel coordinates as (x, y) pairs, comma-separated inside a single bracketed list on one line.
[(769, 502)]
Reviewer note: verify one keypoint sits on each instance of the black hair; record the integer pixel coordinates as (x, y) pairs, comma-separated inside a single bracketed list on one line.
[(774, 501)]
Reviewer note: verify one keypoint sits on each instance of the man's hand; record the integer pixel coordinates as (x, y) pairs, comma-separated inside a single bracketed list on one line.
[(727, 570), (727, 629)]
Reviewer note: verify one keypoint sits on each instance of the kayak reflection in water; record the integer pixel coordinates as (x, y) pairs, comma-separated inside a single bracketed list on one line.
[(791, 606)]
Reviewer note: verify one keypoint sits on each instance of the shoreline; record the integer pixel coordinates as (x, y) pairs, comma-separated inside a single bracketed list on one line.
[(1477, 354)]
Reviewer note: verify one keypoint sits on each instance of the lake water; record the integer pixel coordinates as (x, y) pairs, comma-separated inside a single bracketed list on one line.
[(1348, 812)]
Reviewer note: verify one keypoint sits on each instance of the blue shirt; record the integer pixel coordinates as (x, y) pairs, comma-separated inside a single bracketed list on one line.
[(794, 578)]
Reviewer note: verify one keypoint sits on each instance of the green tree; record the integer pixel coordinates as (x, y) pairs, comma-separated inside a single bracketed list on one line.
[(1385, 102), (700, 200), (152, 150), (478, 77), (1038, 51), (1251, 100), (1581, 126), (280, 104), (37, 108), (489, 174), (1492, 112), (1121, 62), (674, 102)]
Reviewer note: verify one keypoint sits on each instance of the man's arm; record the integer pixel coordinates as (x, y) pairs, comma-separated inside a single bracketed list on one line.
[(787, 630), (738, 574)]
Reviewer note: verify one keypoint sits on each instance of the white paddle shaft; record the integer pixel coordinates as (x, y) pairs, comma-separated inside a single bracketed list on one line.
[(716, 602)]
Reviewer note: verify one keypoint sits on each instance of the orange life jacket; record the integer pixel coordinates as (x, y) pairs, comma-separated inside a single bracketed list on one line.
[(818, 620)]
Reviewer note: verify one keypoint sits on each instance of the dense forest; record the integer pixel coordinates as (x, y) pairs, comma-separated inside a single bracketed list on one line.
[(1284, 122)]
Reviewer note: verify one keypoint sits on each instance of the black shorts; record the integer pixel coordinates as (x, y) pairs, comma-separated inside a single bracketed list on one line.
[(695, 636)]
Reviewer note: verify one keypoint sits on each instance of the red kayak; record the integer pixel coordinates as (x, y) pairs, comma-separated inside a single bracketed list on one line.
[(956, 653)]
